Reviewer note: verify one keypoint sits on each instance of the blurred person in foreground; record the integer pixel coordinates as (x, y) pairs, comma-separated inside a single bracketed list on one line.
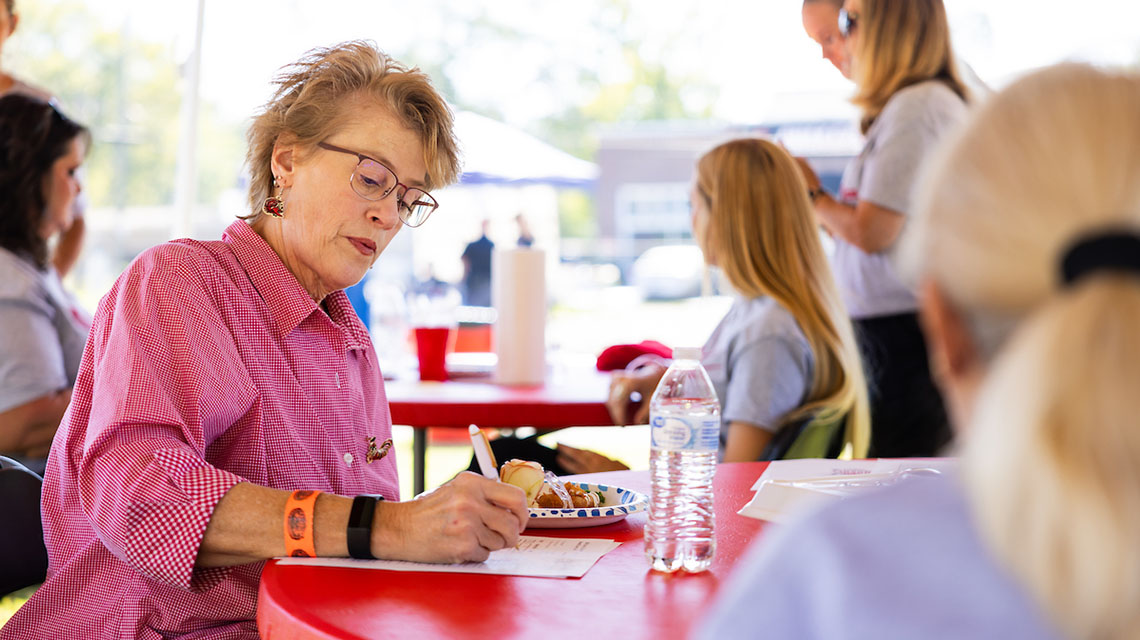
[(910, 94), (785, 352), (229, 404), (44, 328), (1027, 243)]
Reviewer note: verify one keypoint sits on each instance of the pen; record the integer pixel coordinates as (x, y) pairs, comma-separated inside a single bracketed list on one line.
[(483, 453), (486, 459)]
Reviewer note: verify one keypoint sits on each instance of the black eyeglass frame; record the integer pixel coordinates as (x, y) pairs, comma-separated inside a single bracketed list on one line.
[(848, 22), (403, 208)]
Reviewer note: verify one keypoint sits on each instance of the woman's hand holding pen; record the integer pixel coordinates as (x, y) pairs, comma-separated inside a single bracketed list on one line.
[(464, 520)]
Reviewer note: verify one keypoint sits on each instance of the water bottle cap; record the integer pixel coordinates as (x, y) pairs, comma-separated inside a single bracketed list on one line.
[(687, 353)]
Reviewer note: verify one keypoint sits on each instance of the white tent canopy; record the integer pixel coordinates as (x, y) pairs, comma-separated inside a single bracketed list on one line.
[(494, 153)]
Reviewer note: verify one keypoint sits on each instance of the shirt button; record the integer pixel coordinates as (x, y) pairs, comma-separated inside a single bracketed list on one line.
[(348, 459), (337, 380)]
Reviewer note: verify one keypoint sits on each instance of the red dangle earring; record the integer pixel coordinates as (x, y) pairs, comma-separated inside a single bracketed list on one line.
[(274, 205)]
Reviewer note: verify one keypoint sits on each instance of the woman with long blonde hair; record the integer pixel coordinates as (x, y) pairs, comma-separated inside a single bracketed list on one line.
[(753, 220), (1027, 245), (910, 95), (785, 354)]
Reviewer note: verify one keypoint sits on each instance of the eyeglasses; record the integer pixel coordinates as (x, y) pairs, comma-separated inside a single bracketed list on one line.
[(372, 180), (848, 21)]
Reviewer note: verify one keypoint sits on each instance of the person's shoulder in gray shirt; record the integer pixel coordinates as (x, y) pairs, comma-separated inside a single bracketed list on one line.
[(31, 359), (760, 363), (903, 562), (19, 278), (903, 137)]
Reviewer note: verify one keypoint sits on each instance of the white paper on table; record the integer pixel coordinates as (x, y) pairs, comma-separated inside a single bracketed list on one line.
[(534, 556), (788, 487), (821, 468)]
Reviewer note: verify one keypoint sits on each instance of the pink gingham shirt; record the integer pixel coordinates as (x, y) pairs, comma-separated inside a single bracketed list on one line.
[(208, 364)]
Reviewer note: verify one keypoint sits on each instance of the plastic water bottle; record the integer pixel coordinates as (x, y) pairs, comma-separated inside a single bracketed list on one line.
[(684, 419)]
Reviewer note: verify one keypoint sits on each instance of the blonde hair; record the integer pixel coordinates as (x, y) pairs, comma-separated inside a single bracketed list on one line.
[(318, 93), (1052, 458), (763, 234), (901, 43)]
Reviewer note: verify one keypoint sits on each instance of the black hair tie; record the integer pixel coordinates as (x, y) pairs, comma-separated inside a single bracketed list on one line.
[(1116, 251)]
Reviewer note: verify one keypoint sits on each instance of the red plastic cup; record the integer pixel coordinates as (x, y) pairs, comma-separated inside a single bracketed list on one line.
[(431, 349)]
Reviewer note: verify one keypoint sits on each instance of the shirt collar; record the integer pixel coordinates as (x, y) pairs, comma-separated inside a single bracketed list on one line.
[(289, 304), (342, 313)]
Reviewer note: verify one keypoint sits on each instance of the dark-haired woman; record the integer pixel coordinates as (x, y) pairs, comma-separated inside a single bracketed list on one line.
[(41, 151)]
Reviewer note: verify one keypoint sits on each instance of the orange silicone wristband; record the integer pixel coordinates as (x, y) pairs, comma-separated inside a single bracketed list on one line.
[(299, 524)]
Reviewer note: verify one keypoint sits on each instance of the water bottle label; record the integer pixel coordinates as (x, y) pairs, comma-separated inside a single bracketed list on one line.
[(674, 433)]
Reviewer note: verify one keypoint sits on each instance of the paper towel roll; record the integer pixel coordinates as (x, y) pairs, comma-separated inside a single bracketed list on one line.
[(518, 293)]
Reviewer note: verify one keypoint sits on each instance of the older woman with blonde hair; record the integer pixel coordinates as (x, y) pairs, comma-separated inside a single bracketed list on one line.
[(910, 95), (1027, 243), (784, 356), (229, 407)]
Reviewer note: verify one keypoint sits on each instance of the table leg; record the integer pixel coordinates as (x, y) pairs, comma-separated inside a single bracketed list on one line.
[(419, 449)]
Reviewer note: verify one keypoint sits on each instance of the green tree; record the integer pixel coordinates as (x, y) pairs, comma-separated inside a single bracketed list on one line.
[(127, 90), (647, 89)]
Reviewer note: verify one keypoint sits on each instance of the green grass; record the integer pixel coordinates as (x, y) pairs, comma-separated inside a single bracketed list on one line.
[(13, 601)]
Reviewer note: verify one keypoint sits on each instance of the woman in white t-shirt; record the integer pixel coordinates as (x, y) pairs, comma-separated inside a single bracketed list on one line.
[(910, 93)]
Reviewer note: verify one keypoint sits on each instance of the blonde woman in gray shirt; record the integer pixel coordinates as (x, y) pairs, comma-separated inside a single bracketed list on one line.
[(785, 352)]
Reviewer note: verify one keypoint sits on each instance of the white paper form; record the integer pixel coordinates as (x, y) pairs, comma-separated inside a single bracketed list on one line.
[(534, 556), (788, 487)]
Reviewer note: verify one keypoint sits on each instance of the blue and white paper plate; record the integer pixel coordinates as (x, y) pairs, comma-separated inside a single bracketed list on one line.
[(618, 504)]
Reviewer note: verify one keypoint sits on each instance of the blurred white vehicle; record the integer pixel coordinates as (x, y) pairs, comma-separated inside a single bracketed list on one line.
[(670, 272)]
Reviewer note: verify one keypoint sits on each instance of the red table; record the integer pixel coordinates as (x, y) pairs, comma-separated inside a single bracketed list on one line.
[(566, 399), (618, 597)]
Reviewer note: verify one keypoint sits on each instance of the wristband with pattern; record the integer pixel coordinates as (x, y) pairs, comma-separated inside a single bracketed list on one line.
[(299, 510)]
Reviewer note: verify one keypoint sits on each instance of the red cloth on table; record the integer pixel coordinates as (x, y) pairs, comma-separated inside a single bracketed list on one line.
[(620, 355)]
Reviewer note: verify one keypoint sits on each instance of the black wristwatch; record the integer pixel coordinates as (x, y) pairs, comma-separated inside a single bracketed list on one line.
[(360, 526)]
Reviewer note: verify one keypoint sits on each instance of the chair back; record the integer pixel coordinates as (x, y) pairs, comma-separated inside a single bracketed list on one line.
[(813, 437), (23, 556)]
